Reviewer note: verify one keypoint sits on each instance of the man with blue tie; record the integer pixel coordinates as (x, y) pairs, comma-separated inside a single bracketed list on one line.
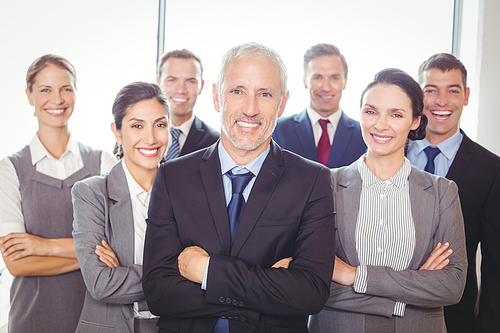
[(180, 75), (446, 151), (241, 235), (323, 132)]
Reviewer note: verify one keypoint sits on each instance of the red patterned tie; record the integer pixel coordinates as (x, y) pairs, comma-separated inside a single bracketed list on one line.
[(324, 142)]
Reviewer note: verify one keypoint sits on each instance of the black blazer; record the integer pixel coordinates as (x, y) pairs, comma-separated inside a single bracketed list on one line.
[(295, 133), (476, 171), (200, 136), (289, 212)]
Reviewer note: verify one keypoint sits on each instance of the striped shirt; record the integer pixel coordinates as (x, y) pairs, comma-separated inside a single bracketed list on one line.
[(385, 233)]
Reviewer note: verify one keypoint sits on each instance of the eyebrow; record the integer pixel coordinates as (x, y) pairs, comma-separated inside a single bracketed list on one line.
[(142, 120), (391, 109), (450, 86)]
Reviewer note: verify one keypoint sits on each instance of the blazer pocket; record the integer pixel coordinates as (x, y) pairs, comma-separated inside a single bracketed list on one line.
[(277, 221), (90, 326)]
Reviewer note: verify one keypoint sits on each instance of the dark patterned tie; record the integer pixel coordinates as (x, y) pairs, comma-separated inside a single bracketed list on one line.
[(235, 210), (324, 142), (237, 202), (174, 149), (431, 153)]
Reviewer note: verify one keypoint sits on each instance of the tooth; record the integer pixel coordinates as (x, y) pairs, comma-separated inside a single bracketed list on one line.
[(245, 124)]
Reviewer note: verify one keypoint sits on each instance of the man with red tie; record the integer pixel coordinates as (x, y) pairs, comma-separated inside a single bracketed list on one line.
[(322, 133)]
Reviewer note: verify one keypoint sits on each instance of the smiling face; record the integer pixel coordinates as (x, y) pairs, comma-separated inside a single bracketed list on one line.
[(325, 79), (52, 96), (444, 99), (386, 120), (181, 81), (144, 135), (249, 104)]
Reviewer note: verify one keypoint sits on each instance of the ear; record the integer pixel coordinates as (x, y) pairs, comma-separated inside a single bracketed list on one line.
[(283, 104), (117, 133), (215, 96), (201, 88), (415, 124), (345, 82), (158, 80), (30, 98), (304, 79), (467, 93)]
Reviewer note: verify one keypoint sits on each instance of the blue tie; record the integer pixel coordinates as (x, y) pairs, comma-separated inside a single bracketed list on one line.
[(237, 203), (235, 210), (431, 153), (174, 149)]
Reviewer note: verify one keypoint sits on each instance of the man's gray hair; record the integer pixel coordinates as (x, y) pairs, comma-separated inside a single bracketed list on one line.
[(247, 50), (323, 49)]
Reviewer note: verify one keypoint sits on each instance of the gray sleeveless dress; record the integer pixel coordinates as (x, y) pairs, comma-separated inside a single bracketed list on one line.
[(48, 303)]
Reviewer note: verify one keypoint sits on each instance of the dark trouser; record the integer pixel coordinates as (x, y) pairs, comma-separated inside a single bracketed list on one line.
[(145, 325)]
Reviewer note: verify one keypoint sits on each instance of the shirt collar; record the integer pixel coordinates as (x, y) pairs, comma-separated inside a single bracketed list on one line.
[(227, 163), (448, 147), (134, 188), (39, 152), (314, 117), (399, 179), (186, 126)]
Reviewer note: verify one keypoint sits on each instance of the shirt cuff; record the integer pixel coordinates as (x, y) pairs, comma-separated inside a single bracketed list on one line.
[(360, 279), (205, 276), (399, 309)]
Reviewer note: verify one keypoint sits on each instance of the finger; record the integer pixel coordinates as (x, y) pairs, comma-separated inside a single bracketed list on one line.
[(19, 255), (442, 264), (14, 248), (439, 260), (105, 261)]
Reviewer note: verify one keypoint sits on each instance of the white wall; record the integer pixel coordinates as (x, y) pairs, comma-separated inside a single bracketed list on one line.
[(371, 34), (488, 75), (111, 43)]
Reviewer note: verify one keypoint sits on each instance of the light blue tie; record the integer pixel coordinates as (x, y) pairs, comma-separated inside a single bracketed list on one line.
[(174, 149)]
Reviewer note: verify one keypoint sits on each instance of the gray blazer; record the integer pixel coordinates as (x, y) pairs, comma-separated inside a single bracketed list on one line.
[(103, 210), (437, 217)]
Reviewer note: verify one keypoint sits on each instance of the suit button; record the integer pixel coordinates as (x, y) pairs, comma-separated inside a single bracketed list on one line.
[(236, 318), (243, 319), (230, 318), (241, 304), (223, 317), (222, 299), (228, 300), (235, 302)]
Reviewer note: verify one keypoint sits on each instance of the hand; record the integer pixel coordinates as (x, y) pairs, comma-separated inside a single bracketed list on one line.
[(192, 263), (283, 263), (438, 258), (107, 255), (343, 273), (26, 245)]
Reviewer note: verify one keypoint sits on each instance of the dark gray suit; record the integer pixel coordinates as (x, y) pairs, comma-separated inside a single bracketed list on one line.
[(103, 210), (438, 218), (200, 136)]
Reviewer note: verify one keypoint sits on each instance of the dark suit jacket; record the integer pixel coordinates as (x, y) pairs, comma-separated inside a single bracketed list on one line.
[(200, 136), (289, 212), (295, 133), (476, 171)]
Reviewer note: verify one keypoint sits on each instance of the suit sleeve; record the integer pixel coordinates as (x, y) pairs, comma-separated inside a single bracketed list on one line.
[(489, 307), (301, 289), (424, 287), (120, 285), (236, 286)]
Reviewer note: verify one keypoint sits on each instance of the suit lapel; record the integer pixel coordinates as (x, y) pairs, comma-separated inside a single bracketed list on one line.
[(462, 160), (305, 135), (347, 197), (341, 139), (264, 186), (423, 212), (214, 190), (120, 214), (194, 136)]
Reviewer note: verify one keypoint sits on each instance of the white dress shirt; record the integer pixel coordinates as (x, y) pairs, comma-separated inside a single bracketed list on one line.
[(314, 117), (385, 232), (139, 199), (11, 214)]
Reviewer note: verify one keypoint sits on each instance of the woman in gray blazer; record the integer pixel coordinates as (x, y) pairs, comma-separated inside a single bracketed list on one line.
[(400, 236), (110, 211)]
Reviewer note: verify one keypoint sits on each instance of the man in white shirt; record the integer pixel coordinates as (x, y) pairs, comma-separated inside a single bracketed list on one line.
[(180, 75)]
